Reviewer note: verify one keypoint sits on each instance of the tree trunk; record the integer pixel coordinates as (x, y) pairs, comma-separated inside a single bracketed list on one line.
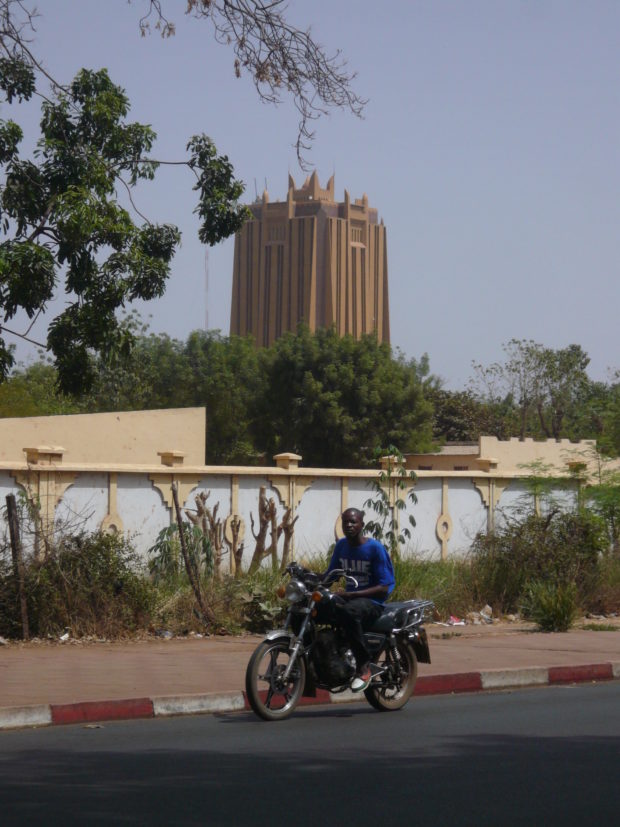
[(275, 536), (18, 562), (212, 529), (265, 509), (236, 548), (541, 418), (287, 527), (194, 579)]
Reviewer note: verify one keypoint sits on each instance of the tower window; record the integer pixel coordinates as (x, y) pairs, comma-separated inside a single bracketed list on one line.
[(358, 232), (276, 233)]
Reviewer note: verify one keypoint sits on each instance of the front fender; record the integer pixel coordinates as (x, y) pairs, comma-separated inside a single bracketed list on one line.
[(278, 634)]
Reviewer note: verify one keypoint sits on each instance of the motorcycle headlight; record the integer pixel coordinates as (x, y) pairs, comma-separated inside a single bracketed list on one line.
[(295, 591)]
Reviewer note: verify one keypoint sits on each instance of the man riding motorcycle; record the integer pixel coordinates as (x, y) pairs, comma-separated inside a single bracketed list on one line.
[(356, 608)]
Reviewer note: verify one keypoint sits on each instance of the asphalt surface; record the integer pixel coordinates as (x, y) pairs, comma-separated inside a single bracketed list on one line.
[(52, 682), (548, 756)]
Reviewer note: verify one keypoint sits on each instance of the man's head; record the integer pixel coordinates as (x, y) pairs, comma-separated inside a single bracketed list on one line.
[(353, 524)]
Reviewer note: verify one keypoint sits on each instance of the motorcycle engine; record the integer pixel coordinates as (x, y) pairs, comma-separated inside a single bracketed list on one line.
[(333, 661)]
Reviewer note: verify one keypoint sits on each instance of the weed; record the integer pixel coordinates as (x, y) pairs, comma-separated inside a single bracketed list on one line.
[(600, 627), (552, 606), (446, 582)]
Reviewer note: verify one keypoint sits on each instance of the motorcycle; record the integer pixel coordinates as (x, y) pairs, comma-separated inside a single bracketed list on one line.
[(304, 656)]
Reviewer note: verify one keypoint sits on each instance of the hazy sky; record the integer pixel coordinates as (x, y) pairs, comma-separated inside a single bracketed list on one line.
[(490, 146)]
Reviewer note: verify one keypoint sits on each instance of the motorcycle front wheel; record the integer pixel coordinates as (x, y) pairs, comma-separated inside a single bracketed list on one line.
[(394, 686), (270, 696)]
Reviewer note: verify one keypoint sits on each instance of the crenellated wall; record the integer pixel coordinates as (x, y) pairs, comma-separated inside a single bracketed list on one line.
[(509, 456)]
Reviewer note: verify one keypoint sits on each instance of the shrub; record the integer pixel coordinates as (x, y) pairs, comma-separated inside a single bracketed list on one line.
[(605, 595), (560, 548), (90, 584), (553, 606), (247, 604)]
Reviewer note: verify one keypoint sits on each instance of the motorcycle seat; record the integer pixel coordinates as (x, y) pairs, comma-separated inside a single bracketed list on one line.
[(394, 615)]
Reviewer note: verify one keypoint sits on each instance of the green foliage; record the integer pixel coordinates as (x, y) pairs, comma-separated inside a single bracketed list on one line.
[(33, 391), (260, 608), (600, 627), (221, 214), (227, 379), (249, 604), (166, 561), (16, 78), (88, 584), (610, 416), (332, 399), (541, 386), (391, 486), (63, 213), (335, 399), (460, 417), (605, 597), (221, 373), (559, 548), (604, 500), (553, 606), (446, 582)]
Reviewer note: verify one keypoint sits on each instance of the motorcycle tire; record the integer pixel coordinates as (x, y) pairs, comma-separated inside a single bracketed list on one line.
[(269, 697), (386, 693)]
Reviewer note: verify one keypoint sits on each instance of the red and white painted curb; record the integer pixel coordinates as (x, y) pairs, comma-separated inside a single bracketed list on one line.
[(16, 717)]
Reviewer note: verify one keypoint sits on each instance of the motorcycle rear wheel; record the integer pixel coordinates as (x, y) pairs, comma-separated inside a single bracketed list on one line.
[(393, 688), (272, 698)]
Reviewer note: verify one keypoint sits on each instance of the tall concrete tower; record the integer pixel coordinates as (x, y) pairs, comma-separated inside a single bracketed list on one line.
[(314, 259)]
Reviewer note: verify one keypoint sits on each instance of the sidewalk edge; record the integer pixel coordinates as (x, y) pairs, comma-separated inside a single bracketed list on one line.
[(18, 717)]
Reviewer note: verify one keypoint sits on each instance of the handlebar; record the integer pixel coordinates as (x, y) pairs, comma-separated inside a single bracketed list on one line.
[(336, 574), (295, 570)]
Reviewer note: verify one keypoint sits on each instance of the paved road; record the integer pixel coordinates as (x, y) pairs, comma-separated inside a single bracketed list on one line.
[(545, 756)]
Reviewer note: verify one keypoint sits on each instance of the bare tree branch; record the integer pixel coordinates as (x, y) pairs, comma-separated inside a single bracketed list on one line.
[(279, 57)]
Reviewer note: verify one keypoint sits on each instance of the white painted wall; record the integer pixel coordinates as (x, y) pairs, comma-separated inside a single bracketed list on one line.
[(143, 511)]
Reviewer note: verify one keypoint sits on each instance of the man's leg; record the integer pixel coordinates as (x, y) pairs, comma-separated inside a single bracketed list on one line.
[(355, 617)]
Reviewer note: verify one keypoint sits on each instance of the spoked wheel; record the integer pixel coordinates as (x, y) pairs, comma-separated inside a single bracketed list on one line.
[(393, 688), (270, 695)]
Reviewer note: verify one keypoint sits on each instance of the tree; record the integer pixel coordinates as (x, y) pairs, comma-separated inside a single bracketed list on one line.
[(460, 417), (610, 438), (62, 214), (517, 378), (279, 57), (228, 380), (154, 375), (562, 377), (221, 373), (585, 419), (62, 209), (332, 399), (545, 384), (33, 391), (335, 399)]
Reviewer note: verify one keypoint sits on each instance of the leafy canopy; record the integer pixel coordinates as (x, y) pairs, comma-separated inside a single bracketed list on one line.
[(335, 399), (68, 230)]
